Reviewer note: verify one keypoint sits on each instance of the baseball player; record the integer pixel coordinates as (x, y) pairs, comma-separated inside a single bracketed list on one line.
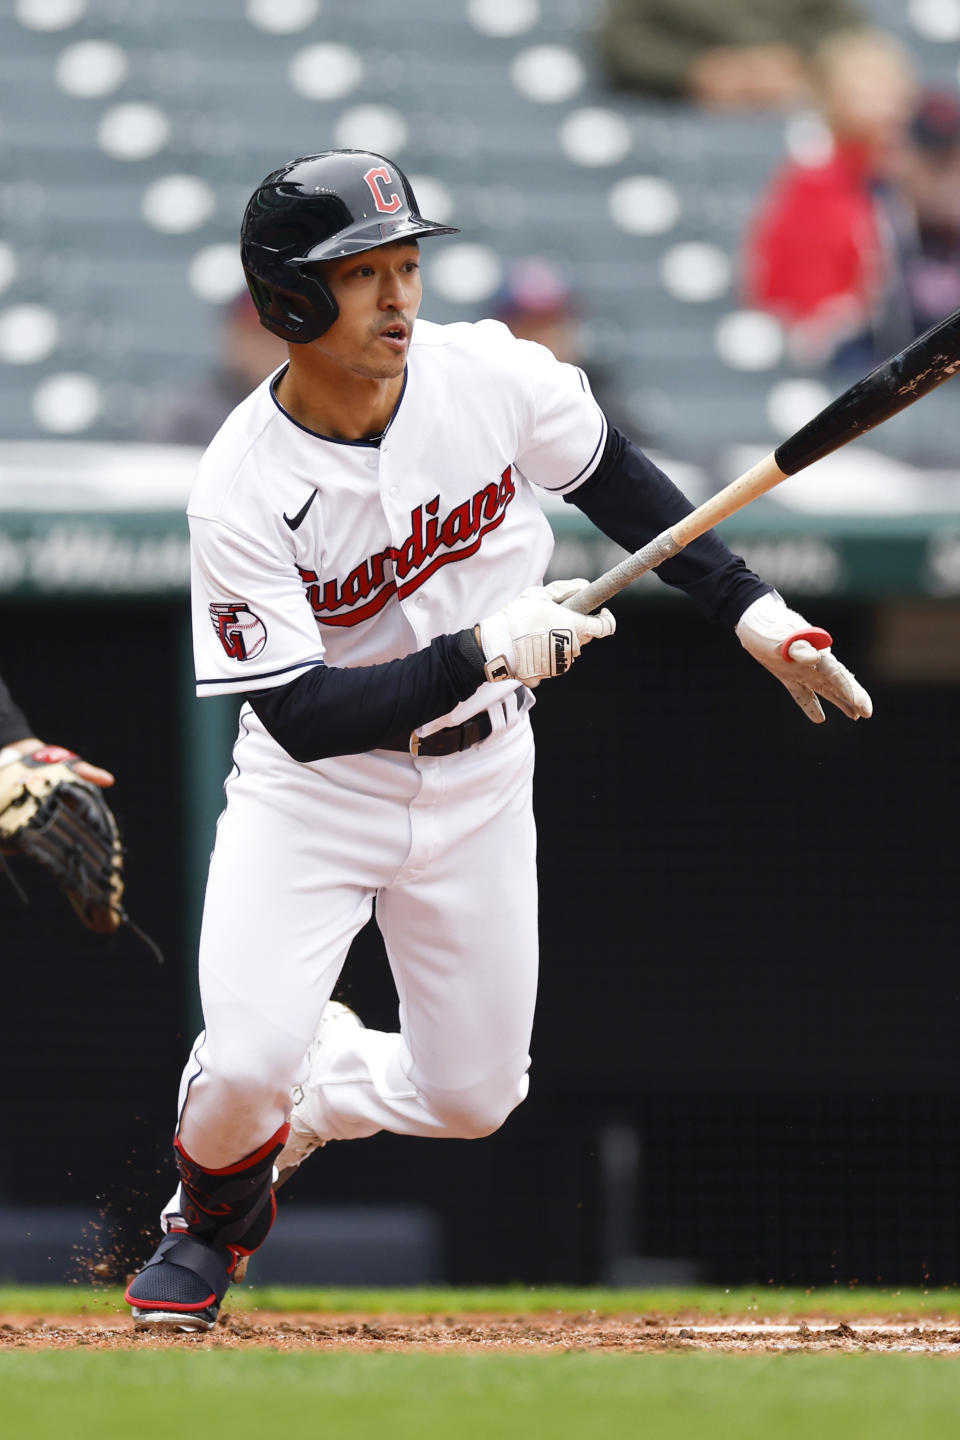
[(367, 563)]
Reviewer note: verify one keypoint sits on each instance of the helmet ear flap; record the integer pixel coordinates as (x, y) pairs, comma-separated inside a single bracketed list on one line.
[(297, 316), (323, 306)]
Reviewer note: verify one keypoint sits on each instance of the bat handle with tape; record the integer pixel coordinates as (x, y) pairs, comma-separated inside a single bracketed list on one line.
[(819, 639), (599, 591)]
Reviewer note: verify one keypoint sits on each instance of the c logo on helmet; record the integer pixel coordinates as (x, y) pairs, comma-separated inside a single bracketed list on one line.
[(386, 201)]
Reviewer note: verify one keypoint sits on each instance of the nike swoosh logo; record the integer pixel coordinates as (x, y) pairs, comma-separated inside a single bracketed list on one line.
[(298, 519)]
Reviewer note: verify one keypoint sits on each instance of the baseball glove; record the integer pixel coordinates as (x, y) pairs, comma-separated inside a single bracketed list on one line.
[(52, 816)]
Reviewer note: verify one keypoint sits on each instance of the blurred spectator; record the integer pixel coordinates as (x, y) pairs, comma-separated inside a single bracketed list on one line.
[(535, 302), (726, 54), (927, 221), (193, 414), (818, 253)]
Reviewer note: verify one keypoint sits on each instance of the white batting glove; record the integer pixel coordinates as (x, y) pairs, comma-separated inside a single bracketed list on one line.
[(534, 636), (764, 629)]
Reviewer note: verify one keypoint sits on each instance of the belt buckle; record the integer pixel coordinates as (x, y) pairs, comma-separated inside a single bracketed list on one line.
[(414, 743)]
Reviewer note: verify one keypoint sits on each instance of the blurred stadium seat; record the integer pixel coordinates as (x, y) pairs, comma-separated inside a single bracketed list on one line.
[(132, 133)]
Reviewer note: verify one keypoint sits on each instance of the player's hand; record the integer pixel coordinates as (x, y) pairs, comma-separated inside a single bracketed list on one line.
[(764, 628), (535, 636), (83, 768)]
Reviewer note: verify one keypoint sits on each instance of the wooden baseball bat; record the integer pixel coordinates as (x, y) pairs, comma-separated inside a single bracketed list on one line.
[(889, 388)]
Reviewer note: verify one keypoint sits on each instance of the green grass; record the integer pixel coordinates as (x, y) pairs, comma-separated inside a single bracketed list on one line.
[(745, 1302), (189, 1387), (177, 1393)]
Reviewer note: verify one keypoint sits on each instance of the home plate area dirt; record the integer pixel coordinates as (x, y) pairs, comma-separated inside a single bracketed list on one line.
[(547, 1332)]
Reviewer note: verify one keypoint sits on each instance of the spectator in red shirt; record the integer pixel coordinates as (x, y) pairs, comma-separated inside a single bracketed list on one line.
[(819, 253)]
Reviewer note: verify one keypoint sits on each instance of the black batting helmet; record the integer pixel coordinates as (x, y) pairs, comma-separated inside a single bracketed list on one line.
[(321, 207)]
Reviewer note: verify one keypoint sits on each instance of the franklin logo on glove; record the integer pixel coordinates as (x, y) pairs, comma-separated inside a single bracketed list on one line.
[(534, 637)]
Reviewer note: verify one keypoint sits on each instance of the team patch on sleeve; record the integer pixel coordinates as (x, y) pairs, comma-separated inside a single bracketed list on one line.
[(241, 633)]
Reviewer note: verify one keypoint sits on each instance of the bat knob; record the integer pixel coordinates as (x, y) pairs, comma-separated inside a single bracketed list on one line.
[(819, 639)]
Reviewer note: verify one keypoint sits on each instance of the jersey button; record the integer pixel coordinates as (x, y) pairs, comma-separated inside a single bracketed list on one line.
[(372, 462), (394, 489)]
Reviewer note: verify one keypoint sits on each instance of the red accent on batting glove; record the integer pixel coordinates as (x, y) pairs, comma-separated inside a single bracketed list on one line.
[(819, 639)]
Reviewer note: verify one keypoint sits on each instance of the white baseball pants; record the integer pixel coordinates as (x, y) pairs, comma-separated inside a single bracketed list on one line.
[(447, 846)]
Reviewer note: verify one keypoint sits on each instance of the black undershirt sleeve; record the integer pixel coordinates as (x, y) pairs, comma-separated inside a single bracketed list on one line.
[(343, 711), (631, 501), (14, 725)]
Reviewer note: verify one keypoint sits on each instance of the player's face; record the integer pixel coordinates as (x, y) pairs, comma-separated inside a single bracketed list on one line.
[(379, 293)]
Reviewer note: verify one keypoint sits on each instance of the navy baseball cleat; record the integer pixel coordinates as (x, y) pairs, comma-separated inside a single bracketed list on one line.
[(181, 1285), (226, 1215)]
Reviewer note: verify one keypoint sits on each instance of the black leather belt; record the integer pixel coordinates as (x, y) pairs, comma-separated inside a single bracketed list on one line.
[(453, 737)]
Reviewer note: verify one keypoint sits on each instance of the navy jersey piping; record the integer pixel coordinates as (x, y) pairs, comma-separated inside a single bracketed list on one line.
[(263, 674), (332, 439), (555, 489)]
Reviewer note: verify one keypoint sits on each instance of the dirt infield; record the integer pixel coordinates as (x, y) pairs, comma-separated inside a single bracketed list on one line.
[(469, 1333)]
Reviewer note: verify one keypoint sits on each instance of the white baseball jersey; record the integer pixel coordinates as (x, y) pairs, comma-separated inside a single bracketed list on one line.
[(308, 549)]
